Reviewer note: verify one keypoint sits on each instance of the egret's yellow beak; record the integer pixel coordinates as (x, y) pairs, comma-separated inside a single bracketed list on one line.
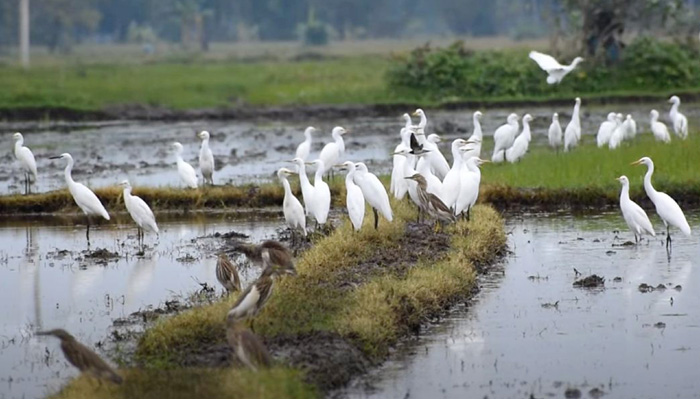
[(290, 161), (639, 162), (485, 161), (308, 163), (414, 114)]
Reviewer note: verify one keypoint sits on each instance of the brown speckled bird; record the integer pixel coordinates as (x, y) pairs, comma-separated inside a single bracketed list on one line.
[(247, 346), (430, 203), (227, 274), (83, 357), (279, 255), (252, 300)]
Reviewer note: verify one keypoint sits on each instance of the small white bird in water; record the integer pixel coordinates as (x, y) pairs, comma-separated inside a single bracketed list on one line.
[(503, 139), (304, 148), (659, 130), (140, 212), (291, 207), (333, 152), (86, 200), (666, 207), (187, 174), (572, 134), (354, 199), (554, 69), (26, 158), (680, 122), (605, 130), (555, 133), (206, 159), (634, 215)]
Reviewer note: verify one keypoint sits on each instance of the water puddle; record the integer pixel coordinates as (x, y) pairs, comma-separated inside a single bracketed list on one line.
[(48, 282), (531, 334)]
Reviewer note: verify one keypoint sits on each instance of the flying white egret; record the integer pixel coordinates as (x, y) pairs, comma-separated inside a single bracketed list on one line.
[(187, 174), (680, 122), (438, 163), (26, 160), (86, 200), (617, 134), (555, 133), (354, 199), (659, 130), (554, 69), (666, 207), (469, 184), (206, 159), (322, 194), (605, 130), (572, 134), (333, 152), (304, 148), (374, 192), (291, 207), (629, 128), (451, 183), (503, 138), (140, 211), (634, 215), (399, 186), (521, 143), (307, 189)]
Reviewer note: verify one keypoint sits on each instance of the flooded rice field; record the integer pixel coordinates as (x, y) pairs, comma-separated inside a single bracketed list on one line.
[(48, 281), (107, 153), (530, 334)]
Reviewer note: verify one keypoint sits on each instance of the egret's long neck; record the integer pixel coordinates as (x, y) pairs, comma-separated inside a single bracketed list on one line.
[(421, 137), (178, 157), (18, 144), (307, 137), (127, 192), (674, 108), (651, 191), (515, 126), (67, 171), (526, 130), (423, 121), (456, 157), (303, 178), (477, 128), (654, 118), (408, 121), (574, 115), (625, 193), (318, 177), (406, 138), (287, 188), (205, 143), (348, 179), (339, 140)]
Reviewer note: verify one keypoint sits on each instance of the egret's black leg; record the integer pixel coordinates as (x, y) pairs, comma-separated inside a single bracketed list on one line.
[(376, 218), (87, 231)]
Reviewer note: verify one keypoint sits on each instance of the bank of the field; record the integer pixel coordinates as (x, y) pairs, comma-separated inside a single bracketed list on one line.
[(362, 291)]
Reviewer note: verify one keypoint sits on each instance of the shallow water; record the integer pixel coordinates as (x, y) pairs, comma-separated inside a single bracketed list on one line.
[(44, 288), (107, 153), (512, 343)]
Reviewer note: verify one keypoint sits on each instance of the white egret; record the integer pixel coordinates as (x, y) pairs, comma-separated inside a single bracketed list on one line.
[(666, 207), (374, 192), (140, 212), (293, 212), (86, 200), (304, 148), (659, 130), (399, 186), (634, 215), (474, 149), (26, 160), (333, 152), (409, 171), (555, 133), (434, 185), (617, 134), (680, 122), (322, 194), (354, 199), (469, 185), (503, 138), (629, 128), (307, 189), (554, 69), (605, 130), (438, 163), (206, 159), (451, 184), (187, 174), (521, 143), (478, 133), (408, 123), (572, 134)]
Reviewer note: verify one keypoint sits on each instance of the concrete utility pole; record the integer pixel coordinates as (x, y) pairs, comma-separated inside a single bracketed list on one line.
[(24, 33)]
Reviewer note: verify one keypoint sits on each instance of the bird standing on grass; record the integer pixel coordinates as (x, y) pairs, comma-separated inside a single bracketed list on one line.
[(354, 199), (617, 134), (86, 200), (430, 203), (291, 207), (450, 186), (469, 186), (521, 143), (333, 152), (206, 159), (629, 128), (606, 129), (307, 189), (438, 163), (374, 192), (140, 212), (666, 207), (227, 274), (247, 346), (572, 134), (555, 133), (503, 138), (680, 122), (83, 357), (555, 71), (659, 130), (321, 194), (26, 158), (304, 148), (187, 174), (399, 186), (634, 215)]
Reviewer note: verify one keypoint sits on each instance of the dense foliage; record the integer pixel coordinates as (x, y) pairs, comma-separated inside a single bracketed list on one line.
[(647, 64)]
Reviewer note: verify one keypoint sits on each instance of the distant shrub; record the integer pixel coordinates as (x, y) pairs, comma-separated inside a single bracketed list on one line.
[(455, 71), (314, 33)]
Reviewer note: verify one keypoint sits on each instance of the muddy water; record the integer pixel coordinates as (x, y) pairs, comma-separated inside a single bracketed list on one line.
[(107, 153), (514, 342), (47, 282)]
